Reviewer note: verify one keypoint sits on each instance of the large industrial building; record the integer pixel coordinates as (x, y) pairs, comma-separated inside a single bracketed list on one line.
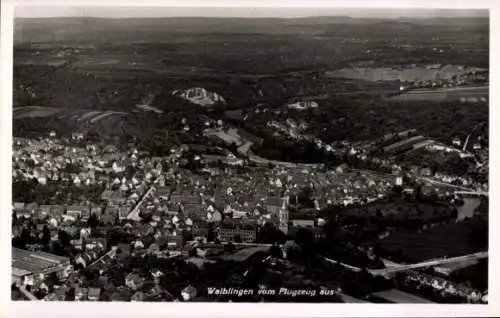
[(28, 267)]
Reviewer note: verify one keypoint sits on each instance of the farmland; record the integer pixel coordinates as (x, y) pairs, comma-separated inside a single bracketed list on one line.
[(112, 66), (31, 121), (415, 73), (77, 115)]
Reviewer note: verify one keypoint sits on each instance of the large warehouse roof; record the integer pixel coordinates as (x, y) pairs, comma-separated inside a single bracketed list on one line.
[(35, 261)]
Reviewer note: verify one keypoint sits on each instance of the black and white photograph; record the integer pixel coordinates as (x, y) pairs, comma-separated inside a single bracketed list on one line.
[(250, 155)]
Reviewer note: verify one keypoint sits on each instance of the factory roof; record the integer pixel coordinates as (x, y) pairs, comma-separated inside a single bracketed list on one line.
[(34, 262)]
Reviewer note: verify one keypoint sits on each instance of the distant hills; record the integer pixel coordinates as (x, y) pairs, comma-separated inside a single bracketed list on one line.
[(103, 29)]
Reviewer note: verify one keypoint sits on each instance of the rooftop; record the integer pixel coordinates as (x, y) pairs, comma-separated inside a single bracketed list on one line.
[(23, 260), (397, 296)]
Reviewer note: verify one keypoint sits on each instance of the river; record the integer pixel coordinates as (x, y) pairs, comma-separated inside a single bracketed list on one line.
[(467, 210)]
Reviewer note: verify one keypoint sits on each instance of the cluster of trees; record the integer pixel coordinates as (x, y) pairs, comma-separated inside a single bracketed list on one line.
[(455, 239), (395, 211), (29, 235), (54, 192), (281, 149), (475, 276), (450, 164)]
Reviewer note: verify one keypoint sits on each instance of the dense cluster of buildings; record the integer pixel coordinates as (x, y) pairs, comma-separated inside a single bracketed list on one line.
[(445, 287), (160, 209)]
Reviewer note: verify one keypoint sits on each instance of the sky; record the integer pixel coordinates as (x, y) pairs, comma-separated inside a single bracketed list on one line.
[(127, 12)]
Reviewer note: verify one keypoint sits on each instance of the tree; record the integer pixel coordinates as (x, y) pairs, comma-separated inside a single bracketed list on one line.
[(304, 197), (146, 217), (270, 234), (306, 242), (64, 238), (52, 280), (275, 251), (187, 236), (45, 235), (229, 248), (25, 237), (70, 294), (292, 250), (211, 236), (93, 221)]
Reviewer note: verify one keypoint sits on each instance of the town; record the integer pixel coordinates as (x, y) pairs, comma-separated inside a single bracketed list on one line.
[(319, 164), (109, 207)]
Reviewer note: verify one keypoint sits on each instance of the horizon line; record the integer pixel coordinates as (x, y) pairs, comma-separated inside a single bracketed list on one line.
[(130, 12), (252, 18)]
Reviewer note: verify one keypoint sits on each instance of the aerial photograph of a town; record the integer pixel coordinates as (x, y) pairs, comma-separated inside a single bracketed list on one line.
[(312, 156)]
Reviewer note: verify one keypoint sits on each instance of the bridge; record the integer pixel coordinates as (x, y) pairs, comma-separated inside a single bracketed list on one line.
[(395, 267), (404, 267), (479, 193)]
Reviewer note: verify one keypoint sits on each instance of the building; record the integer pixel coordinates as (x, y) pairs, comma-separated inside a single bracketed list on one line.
[(94, 294), (123, 211), (78, 212), (188, 293), (194, 210), (399, 181), (273, 205), (231, 231), (57, 211), (30, 268), (113, 197), (302, 221), (134, 281), (18, 206), (163, 192), (81, 293), (283, 220), (109, 219)]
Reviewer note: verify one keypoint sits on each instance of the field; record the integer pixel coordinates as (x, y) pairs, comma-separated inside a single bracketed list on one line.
[(78, 115), (417, 73), (33, 121), (112, 64), (229, 137)]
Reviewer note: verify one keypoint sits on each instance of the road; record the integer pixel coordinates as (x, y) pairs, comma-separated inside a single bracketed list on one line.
[(353, 268), (111, 253), (394, 269), (25, 292), (450, 89), (472, 192), (134, 214)]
